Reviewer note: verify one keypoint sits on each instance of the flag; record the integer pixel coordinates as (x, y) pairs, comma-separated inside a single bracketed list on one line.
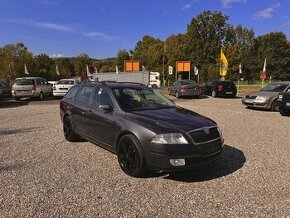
[(170, 70), (88, 71), (240, 68), (95, 70), (117, 69), (25, 70), (264, 68), (57, 71), (224, 64), (195, 70), (143, 68)]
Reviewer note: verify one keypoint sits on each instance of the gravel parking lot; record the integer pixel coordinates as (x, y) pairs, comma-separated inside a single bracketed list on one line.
[(42, 175)]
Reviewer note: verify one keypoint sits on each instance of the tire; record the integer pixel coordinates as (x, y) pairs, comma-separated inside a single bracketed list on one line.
[(177, 95), (68, 131), (41, 96), (130, 156), (275, 105), (284, 113), (213, 93)]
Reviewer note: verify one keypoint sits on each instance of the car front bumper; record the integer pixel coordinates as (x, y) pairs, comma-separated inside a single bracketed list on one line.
[(158, 156), (253, 104), (190, 93)]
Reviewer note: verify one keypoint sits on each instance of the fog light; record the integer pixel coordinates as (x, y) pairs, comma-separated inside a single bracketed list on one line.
[(177, 162)]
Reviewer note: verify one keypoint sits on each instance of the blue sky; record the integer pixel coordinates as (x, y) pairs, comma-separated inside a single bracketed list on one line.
[(101, 27)]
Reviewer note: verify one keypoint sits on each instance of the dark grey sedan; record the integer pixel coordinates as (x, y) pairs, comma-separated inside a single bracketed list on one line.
[(145, 129), (267, 97), (185, 88)]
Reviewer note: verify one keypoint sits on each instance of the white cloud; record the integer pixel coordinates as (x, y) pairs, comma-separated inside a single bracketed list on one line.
[(43, 25), (267, 13), (56, 56), (53, 26), (186, 7), (227, 3), (99, 35), (287, 24)]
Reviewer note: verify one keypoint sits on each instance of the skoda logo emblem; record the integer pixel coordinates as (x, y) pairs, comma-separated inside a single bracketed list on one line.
[(206, 130)]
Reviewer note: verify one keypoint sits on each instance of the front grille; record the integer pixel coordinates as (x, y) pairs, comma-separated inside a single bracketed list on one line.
[(210, 148), (200, 160), (201, 136), (251, 97)]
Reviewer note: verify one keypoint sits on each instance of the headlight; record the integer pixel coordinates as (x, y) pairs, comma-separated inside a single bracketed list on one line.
[(169, 138), (261, 99)]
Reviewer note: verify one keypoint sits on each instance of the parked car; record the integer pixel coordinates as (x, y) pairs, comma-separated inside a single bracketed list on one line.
[(217, 88), (62, 86), (284, 103), (32, 87), (6, 89), (185, 88), (267, 97), (144, 128)]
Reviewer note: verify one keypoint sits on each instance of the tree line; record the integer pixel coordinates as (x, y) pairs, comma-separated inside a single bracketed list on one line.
[(200, 44)]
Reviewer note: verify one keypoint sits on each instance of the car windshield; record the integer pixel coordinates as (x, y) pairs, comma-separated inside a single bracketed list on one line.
[(133, 99), (24, 82), (189, 82), (65, 82), (275, 87)]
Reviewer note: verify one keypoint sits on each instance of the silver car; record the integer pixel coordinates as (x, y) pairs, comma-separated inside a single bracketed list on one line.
[(63, 85), (267, 97), (32, 87)]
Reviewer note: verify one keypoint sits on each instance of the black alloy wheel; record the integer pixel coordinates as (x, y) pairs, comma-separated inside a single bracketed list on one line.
[(130, 156), (275, 105), (41, 96), (68, 131)]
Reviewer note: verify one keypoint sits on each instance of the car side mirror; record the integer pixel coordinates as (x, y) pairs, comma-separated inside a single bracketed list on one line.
[(106, 107)]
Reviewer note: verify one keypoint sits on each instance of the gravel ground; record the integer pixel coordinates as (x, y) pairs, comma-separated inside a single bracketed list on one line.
[(42, 175)]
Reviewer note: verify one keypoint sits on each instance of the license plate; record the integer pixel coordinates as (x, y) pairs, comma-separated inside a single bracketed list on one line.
[(229, 92), (23, 91), (288, 104)]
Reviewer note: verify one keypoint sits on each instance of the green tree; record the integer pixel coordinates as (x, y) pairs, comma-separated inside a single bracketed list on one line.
[(43, 66), (65, 68), (80, 63), (121, 57)]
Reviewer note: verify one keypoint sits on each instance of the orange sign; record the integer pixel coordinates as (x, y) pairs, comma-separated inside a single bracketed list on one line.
[(182, 66), (131, 65)]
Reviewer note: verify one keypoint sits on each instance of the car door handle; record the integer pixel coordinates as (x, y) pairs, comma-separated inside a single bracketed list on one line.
[(89, 112)]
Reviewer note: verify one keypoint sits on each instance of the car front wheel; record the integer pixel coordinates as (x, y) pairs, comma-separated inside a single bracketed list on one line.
[(275, 106), (130, 156)]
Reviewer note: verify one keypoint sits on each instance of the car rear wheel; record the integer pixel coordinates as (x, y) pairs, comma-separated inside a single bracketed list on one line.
[(213, 93), (41, 96), (68, 131), (275, 106), (130, 156)]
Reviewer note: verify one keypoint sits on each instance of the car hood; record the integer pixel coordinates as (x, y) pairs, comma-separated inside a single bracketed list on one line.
[(264, 94), (171, 119)]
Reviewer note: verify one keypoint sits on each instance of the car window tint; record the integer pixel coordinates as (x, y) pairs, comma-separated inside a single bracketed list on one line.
[(85, 94), (65, 82), (24, 82), (275, 87), (103, 97), (72, 92), (188, 82)]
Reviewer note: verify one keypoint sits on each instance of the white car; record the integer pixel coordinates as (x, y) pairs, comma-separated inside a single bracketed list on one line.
[(63, 85)]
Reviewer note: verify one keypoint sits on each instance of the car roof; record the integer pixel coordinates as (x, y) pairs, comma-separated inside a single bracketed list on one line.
[(114, 84)]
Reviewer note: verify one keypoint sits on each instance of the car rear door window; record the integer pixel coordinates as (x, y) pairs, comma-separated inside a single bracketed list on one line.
[(72, 92), (85, 94), (24, 82), (103, 97)]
